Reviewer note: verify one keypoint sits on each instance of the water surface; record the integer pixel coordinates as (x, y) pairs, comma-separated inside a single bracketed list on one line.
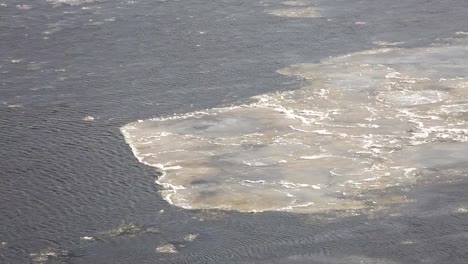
[(74, 72)]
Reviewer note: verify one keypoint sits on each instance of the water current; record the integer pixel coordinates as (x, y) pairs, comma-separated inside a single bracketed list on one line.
[(233, 131)]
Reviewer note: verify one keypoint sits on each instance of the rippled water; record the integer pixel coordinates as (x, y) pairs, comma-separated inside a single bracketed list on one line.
[(73, 73)]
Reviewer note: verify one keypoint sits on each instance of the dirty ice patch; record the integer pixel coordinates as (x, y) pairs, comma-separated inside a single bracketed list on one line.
[(364, 121)]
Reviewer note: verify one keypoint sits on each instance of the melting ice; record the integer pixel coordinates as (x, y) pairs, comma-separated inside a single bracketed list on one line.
[(365, 121)]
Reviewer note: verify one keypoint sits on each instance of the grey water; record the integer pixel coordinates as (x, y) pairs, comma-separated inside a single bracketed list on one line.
[(73, 72)]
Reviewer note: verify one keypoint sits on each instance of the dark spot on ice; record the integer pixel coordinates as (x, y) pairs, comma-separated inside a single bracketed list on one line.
[(201, 127), (195, 182), (253, 145), (207, 194)]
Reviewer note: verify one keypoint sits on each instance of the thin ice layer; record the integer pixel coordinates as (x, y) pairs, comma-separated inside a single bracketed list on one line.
[(365, 121)]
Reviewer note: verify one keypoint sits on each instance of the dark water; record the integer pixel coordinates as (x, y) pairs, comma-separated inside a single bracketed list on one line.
[(63, 178)]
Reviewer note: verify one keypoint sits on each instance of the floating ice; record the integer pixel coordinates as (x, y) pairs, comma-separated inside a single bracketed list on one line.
[(126, 230), (168, 248), (23, 7), (69, 2), (15, 106), (364, 121), (387, 43), (190, 237), (48, 256), (295, 3), (297, 12), (88, 118)]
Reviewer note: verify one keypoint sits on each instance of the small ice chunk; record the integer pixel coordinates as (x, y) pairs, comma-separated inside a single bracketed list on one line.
[(308, 12), (168, 248), (295, 3), (190, 237), (88, 118), (387, 43), (23, 7)]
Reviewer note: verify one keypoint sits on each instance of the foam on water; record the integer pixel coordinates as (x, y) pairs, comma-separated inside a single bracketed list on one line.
[(364, 121)]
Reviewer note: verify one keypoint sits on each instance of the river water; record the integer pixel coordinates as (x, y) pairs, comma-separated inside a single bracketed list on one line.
[(369, 97)]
